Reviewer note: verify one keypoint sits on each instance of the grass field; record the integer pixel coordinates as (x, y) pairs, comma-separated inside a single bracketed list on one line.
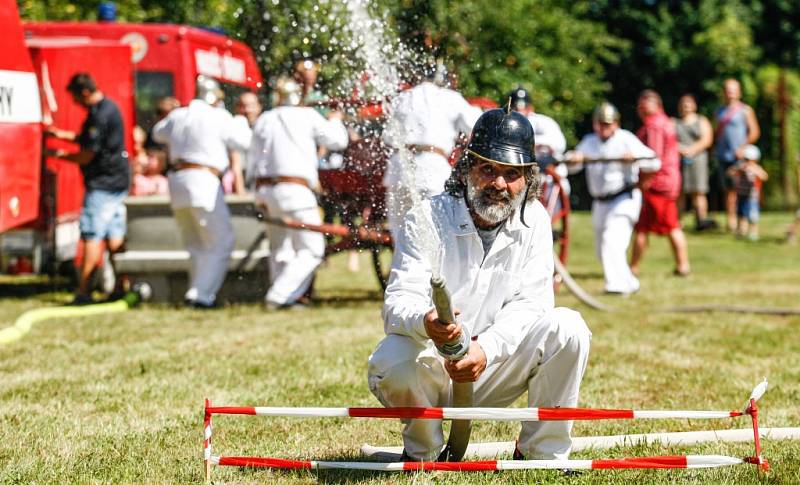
[(119, 398)]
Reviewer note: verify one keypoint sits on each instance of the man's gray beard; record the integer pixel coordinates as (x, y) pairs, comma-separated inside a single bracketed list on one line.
[(492, 211)]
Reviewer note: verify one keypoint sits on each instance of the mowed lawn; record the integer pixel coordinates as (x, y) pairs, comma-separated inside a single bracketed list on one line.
[(119, 398)]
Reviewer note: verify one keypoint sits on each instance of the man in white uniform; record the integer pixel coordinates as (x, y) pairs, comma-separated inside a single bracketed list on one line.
[(425, 123), (284, 155), (618, 157), (497, 259), (550, 140), (199, 137)]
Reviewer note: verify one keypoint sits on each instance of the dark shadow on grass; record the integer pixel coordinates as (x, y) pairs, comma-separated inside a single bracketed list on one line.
[(322, 476), (360, 476), (778, 240), (27, 288), (586, 276), (345, 300)]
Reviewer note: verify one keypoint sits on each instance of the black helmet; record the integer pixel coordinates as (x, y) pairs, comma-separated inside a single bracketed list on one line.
[(504, 137), (519, 98)]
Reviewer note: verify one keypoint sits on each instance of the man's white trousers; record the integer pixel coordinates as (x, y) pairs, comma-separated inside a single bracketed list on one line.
[(613, 223), (294, 254), (208, 236), (549, 365)]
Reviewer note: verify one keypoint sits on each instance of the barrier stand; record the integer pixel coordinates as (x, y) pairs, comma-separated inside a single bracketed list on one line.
[(757, 459), (207, 441), (752, 410), (500, 414)]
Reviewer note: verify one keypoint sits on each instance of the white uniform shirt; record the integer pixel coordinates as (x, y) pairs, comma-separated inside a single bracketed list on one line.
[(285, 141), (547, 133), (550, 141), (433, 116), (202, 134), (500, 296), (608, 178)]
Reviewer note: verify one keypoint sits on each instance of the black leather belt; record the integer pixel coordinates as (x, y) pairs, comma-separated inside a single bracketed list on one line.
[(625, 190)]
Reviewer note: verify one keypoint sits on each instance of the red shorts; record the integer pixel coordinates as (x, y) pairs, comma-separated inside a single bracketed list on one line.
[(659, 214)]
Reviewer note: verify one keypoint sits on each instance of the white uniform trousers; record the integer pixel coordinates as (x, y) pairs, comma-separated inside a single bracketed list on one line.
[(549, 365), (294, 254), (208, 236), (613, 223)]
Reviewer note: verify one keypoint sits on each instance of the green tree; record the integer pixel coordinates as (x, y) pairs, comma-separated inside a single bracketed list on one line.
[(541, 45), (726, 45), (281, 33), (211, 13)]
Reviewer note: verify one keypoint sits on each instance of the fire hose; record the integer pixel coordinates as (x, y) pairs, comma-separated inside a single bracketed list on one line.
[(379, 236), (363, 234), (462, 391), (25, 322), (587, 299)]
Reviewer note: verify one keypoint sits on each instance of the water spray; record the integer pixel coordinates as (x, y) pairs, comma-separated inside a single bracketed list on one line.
[(382, 67)]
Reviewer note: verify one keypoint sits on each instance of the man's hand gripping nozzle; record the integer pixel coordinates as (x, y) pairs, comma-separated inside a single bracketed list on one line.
[(462, 391)]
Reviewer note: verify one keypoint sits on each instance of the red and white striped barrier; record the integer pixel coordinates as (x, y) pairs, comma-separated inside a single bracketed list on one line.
[(685, 461), (499, 414), (207, 461), (474, 414)]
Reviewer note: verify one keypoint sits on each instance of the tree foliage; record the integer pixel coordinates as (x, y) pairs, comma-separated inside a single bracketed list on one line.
[(569, 54), (558, 56), (195, 12)]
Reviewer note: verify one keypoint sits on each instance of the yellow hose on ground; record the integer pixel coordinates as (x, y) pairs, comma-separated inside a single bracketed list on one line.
[(27, 320)]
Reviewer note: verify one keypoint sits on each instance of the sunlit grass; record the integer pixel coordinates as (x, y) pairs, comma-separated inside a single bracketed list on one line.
[(119, 398)]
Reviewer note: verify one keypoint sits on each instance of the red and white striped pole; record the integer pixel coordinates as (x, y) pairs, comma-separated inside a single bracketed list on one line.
[(651, 462), (494, 414), (501, 414), (207, 440)]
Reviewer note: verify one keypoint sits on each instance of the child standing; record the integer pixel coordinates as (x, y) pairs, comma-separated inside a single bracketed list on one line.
[(748, 177)]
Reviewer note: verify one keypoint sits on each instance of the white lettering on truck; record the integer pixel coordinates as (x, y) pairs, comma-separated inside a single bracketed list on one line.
[(6, 94), (19, 97)]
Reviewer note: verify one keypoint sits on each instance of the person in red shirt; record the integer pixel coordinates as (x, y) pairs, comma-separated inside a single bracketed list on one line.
[(660, 190)]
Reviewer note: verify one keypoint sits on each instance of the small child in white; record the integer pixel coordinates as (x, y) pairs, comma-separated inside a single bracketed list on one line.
[(748, 177)]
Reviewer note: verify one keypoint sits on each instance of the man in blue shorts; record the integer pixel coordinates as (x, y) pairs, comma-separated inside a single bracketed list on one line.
[(106, 175)]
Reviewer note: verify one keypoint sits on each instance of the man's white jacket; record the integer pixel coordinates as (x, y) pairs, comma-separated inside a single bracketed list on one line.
[(500, 296)]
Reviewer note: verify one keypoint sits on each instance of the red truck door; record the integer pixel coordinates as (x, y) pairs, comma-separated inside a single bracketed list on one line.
[(20, 125), (56, 61)]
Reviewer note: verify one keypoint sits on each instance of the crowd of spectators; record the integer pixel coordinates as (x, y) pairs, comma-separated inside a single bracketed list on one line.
[(637, 182)]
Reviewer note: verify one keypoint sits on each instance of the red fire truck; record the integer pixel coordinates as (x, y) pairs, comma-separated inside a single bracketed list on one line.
[(166, 58), (133, 64), (20, 127)]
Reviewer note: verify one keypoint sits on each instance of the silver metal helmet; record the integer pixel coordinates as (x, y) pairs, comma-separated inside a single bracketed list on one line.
[(606, 113), (208, 89), (288, 92)]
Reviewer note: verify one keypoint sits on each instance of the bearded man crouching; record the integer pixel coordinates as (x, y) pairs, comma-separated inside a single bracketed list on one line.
[(494, 242)]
